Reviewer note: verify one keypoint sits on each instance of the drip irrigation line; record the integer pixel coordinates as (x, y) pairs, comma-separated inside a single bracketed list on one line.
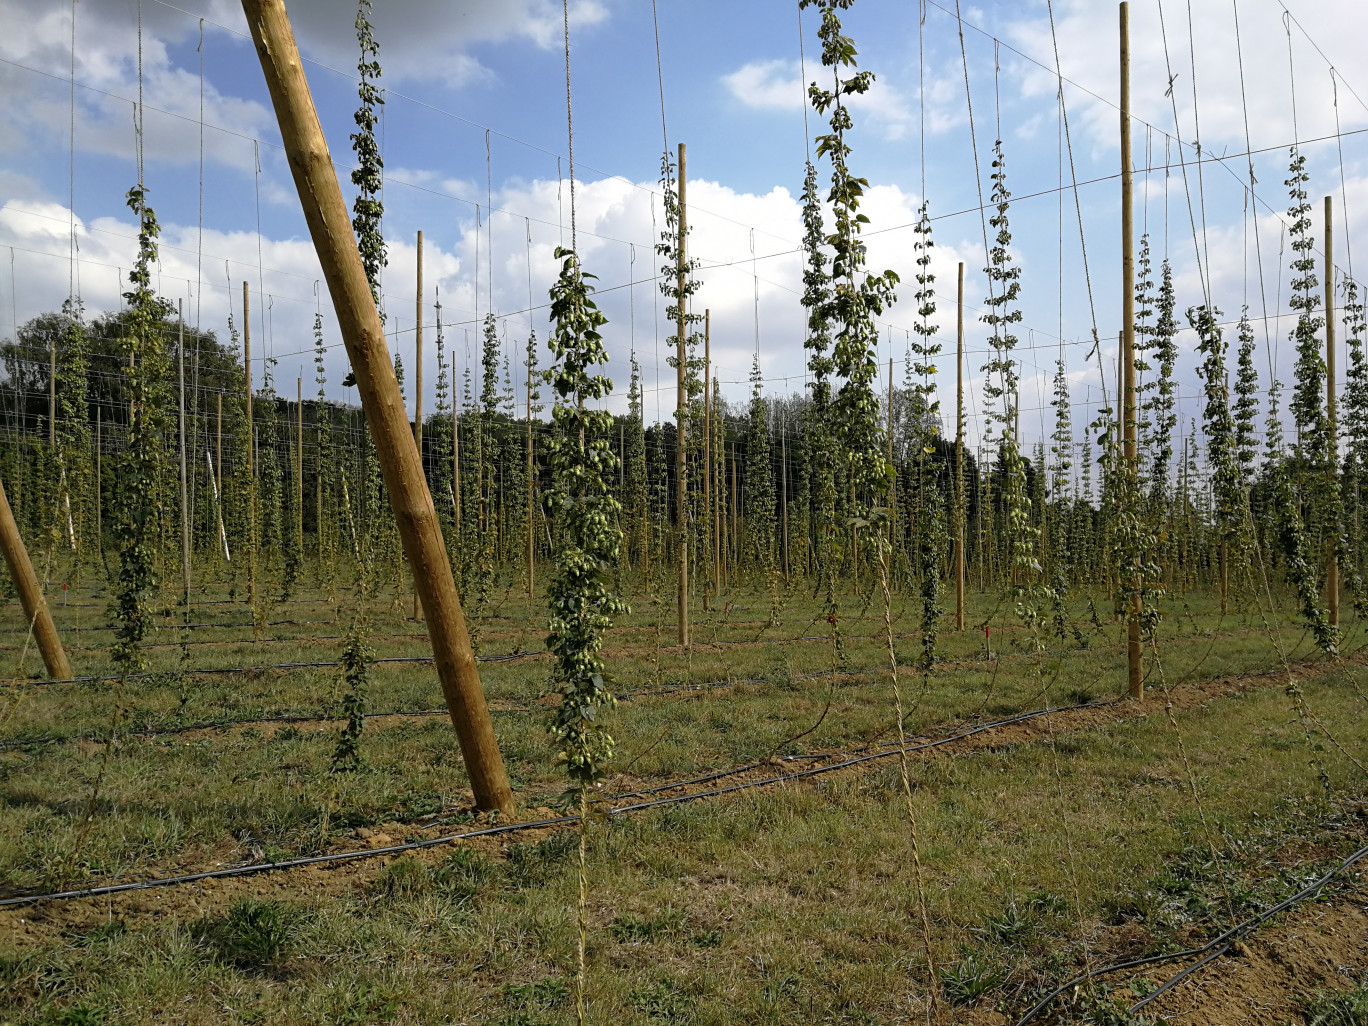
[(306, 665), (1208, 952), (216, 671), (507, 828), (621, 696)]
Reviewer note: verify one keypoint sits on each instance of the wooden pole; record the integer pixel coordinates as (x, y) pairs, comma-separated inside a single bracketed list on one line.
[(735, 505), (31, 594), (959, 453), (326, 214), (218, 454), (52, 391), (247, 370), (682, 411), (531, 497), (455, 455), (418, 384), (184, 491), (99, 480), (715, 582), (1332, 582), (299, 464), (783, 490), (318, 480), (418, 353), (1134, 650), (251, 447)]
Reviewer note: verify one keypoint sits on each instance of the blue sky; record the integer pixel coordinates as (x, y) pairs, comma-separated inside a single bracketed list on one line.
[(732, 92)]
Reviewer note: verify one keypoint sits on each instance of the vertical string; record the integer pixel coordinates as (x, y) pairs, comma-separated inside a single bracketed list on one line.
[(660, 72), (261, 274), (802, 89), (138, 112), (199, 238), (71, 167), (489, 205), (1344, 188), (570, 122)]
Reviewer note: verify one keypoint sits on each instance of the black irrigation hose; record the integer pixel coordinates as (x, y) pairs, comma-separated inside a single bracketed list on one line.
[(211, 671), (192, 672), (16, 744), (622, 810), (1208, 952)]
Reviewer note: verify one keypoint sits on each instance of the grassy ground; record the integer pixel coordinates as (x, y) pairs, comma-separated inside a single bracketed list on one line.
[(784, 904)]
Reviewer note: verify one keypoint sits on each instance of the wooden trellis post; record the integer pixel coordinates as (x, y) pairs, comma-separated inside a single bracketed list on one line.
[(185, 505), (1332, 581), (1134, 651), (959, 453), (682, 413), (251, 447), (299, 464), (418, 385), (707, 454), (31, 594), (326, 214)]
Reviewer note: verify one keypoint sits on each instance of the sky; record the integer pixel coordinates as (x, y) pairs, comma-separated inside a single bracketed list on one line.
[(476, 150)]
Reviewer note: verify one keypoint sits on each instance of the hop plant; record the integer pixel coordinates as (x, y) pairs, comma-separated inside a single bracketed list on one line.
[(586, 514)]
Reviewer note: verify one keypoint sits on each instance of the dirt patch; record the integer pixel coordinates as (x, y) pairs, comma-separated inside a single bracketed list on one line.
[(1321, 946)]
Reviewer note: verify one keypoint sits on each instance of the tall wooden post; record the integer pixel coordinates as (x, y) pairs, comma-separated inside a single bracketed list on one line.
[(735, 505), (682, 410), (959, 452), (218, 454), (418, 384), (320, 527), (418, 353), (1134, 651), (715, 447), (531, 497), (247, 371), (455, 454), (251, 449), (299, 464), (52, 391), (326, 214), (31, 594), (783, 490), (184, 491), (1332, 582), (895, 525), (99, 480), (715, 582)]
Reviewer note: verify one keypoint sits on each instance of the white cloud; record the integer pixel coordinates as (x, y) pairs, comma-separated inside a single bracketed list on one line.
[(1089, 53), (422, 40), (776, 85), (767, 85), (616, 240)]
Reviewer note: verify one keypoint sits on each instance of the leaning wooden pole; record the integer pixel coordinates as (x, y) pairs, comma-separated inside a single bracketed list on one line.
[(325, 211), (682, 413), (1134, 651), (1332, 581), (959, 454), (31, 594)]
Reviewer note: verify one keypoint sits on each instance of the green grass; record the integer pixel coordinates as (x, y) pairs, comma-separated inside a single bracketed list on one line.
[(774, 905)]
